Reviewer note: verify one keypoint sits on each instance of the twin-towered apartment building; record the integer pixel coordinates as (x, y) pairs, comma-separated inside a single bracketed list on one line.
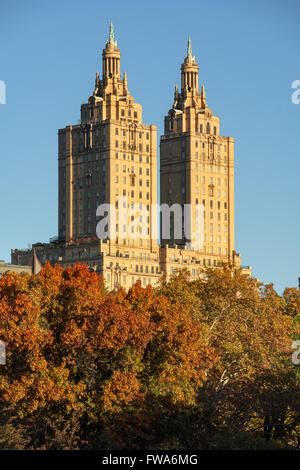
[(111, 158)]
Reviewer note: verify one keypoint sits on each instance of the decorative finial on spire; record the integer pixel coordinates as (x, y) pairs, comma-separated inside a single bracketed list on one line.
[(125, 87), (97, 84), (111, 36), (176, 96), (189, 49), (111, 33), (203, 98)]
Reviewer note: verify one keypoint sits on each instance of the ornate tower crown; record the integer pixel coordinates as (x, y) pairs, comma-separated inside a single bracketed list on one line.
[(189, 71), (111, 57)]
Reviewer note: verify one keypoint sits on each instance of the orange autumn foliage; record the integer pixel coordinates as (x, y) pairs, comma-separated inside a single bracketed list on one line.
[(87, 368)]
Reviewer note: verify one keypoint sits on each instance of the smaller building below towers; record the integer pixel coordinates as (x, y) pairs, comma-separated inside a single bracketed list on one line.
[(14, 268)]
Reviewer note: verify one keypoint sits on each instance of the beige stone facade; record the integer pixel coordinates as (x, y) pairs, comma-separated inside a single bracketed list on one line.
[(197, 168), (15, 268), (112, 154)]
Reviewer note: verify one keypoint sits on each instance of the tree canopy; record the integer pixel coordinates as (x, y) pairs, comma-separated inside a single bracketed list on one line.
[(189, 364)]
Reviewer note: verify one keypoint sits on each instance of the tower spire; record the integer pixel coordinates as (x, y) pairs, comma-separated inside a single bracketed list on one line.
[(111, 37), (189, 48), (111, 33), (189, 57)]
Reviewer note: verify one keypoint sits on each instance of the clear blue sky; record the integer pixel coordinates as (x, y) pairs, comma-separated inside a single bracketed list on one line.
[(248, 55)]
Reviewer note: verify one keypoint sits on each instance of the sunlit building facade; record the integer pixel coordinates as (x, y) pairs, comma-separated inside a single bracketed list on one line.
[(110, 159)]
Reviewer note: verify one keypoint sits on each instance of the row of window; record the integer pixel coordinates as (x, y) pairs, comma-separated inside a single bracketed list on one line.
[(210, 192), (82, 170), (80, 147), (211, 215), (81, 230), (143, 280), (210, 157), (77, 160), (203, 181), (79, 134), (140, 158), (124, 181), (124, 146), (87, 181), (211, 168), (210, 146), (80, 219), (197, 144), (134, 230), (211, 227), (211, 203), (131, 206), (126, 169), (205, 157), (211, 240), (139, 242), (79, 195), (141, 256), (140, 269), (196, 272), (129, 113), (132, 194), (131, 133)]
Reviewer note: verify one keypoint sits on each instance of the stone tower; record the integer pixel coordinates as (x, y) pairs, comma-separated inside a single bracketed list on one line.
[(111, 158), (197, 169)]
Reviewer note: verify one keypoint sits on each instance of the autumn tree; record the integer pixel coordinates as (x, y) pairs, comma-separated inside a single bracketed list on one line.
[(291, 296), (84, 364), (190, 364), (253, 385)]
